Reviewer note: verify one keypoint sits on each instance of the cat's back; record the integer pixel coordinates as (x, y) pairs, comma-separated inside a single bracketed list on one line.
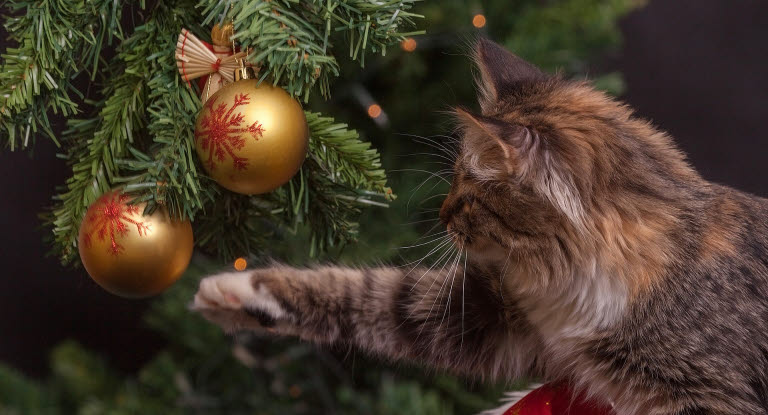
[(702, 331), (720, 268), (734, 228)]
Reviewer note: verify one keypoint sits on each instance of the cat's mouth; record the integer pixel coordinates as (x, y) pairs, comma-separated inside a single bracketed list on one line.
[(458, 237), (479, 243)]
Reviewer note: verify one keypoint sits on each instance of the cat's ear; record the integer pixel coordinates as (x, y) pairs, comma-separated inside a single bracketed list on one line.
[(500, 71), (496, 150), (484, 135)]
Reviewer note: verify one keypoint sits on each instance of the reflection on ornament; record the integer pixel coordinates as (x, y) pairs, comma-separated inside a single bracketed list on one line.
[(221, 133)]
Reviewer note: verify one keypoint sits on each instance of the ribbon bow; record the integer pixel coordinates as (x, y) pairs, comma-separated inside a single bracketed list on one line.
[(195, 59)]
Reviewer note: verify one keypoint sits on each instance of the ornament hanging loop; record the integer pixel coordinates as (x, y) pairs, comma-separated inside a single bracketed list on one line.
[(244, 72)]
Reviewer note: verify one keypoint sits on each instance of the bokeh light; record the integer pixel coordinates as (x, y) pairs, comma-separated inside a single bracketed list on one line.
[(374, 111), (240, 264), (408, 45), (478, 21)]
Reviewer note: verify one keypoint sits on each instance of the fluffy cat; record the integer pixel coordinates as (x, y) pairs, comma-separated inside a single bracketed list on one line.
[(596, 255)]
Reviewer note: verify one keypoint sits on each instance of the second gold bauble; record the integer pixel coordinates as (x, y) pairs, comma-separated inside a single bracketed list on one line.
[(251, 138), (130, 254)]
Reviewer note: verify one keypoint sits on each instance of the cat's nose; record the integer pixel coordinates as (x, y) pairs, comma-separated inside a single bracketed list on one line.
[(445, 216), (447, 209)]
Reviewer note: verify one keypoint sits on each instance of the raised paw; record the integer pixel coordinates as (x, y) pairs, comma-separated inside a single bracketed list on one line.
[(234, 302)]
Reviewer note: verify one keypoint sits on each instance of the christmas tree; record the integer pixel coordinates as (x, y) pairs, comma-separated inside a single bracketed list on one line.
[(133, 127)]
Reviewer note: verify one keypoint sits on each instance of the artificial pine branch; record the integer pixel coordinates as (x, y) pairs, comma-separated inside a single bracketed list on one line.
[(57, 40), (98, 144), (341, 174), (293, 38), (141, 134), (167, 173), (345, 159)]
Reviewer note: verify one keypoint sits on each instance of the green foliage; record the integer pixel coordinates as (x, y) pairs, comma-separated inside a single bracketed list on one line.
[(57, 40), (97, 146), (19, 395), (139, 134), (568, 44), (566, 34), (293, 38), (341, 174)]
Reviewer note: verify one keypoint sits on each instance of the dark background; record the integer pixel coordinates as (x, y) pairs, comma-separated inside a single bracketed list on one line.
[(697, 68)]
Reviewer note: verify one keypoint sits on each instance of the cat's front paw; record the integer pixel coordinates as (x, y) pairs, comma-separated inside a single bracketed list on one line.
[(240, 300)]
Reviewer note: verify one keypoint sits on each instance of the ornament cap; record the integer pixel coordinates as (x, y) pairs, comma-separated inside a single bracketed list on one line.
[(220, 35), (244, 72)]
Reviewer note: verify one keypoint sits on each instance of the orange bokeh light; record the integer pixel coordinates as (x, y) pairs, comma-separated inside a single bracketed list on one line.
[(294, 391), (478, 21), (374, 110), (408, 45), (240, 264)]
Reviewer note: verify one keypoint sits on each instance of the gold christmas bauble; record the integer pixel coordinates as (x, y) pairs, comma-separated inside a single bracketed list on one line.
[(251, 138), (130, 254)]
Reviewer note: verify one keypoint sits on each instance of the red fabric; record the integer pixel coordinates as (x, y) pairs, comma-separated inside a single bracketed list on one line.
[(556, 400)]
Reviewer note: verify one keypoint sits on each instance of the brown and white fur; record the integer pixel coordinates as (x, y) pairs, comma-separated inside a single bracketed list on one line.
[(595, 255)]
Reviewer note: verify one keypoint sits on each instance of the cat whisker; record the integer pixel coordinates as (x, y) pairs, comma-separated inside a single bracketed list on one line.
[(427, 234), (453, 269), (447, 308), (503, 274), (449, 161), (435, 249), (415, 284), (431, 176), (407, 206), (437, 296), (463, 292), (433, 196), (431, 228), (442, 163), (447, 260), (442, 235), (433, 143), (431, 173), (415, 262), (450, 139), (448, 151), (416, 222)]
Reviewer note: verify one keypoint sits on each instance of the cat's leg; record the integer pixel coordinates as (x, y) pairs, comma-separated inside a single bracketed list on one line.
[(447, 319)]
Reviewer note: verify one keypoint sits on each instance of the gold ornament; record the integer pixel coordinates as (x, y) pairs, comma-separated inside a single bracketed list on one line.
[(252, 138), (129, 254)]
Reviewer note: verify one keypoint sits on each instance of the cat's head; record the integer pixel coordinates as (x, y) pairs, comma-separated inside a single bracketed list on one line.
[(550, 163)]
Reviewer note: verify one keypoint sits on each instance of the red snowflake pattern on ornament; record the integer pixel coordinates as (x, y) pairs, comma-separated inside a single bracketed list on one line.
[(109, 217), (222, 134)]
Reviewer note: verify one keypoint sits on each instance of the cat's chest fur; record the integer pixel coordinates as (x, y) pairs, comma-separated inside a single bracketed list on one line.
[(572, 310)]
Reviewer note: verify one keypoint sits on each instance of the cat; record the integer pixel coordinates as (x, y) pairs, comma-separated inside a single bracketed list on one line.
[(596, 256)]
